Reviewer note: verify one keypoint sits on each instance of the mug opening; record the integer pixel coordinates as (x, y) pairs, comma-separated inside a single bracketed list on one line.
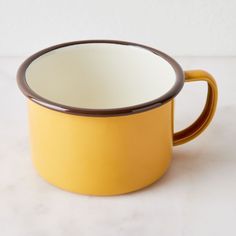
[(100, 77)]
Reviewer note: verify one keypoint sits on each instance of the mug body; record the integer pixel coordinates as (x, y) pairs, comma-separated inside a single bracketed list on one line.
[(101, 114), (101, 155)]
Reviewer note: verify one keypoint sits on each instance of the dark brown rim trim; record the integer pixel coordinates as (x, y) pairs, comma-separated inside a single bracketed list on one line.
[(24, 87)]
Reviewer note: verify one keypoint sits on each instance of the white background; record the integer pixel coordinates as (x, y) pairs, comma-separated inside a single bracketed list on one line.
[(179, 27), (197, 197)]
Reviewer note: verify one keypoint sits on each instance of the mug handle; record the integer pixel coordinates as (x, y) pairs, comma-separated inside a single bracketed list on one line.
[(208, 112)]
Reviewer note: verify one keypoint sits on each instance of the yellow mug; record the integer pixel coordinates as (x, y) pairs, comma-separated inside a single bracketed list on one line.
[(101, 114)]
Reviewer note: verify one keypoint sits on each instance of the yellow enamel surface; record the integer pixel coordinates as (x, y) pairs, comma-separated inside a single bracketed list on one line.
[(101, 155), (208, 112)]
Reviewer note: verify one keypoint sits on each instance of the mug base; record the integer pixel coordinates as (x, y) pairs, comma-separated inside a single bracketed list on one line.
[(104, 193)]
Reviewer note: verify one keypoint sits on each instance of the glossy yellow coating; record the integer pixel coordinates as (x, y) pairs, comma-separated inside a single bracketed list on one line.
[(111, 155), (208, 112), (101, 155)]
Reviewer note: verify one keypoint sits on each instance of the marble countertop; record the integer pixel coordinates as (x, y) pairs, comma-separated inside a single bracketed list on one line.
[(196, 197)]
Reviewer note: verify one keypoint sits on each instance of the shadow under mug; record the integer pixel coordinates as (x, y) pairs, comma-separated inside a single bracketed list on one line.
[(101, 114)]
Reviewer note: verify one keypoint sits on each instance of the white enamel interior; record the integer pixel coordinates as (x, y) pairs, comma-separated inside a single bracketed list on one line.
[(100, 76)]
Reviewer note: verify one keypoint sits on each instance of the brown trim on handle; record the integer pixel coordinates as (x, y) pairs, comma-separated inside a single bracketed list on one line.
[(28, 92)]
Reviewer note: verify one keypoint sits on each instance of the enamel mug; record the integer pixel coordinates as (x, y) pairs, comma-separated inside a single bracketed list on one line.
[(101, 114)]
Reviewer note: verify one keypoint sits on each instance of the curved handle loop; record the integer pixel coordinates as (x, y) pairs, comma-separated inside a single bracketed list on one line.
[(208, 112)]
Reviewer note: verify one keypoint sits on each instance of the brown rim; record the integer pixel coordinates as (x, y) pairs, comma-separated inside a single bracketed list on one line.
[(28, 92)]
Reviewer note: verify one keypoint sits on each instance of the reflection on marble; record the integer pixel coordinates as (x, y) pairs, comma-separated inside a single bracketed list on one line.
[(196, 197)]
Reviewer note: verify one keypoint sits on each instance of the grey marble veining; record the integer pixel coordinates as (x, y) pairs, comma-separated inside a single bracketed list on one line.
[(196, 196)]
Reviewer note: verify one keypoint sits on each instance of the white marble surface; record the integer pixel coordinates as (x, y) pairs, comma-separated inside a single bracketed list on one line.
[(196, 197)]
